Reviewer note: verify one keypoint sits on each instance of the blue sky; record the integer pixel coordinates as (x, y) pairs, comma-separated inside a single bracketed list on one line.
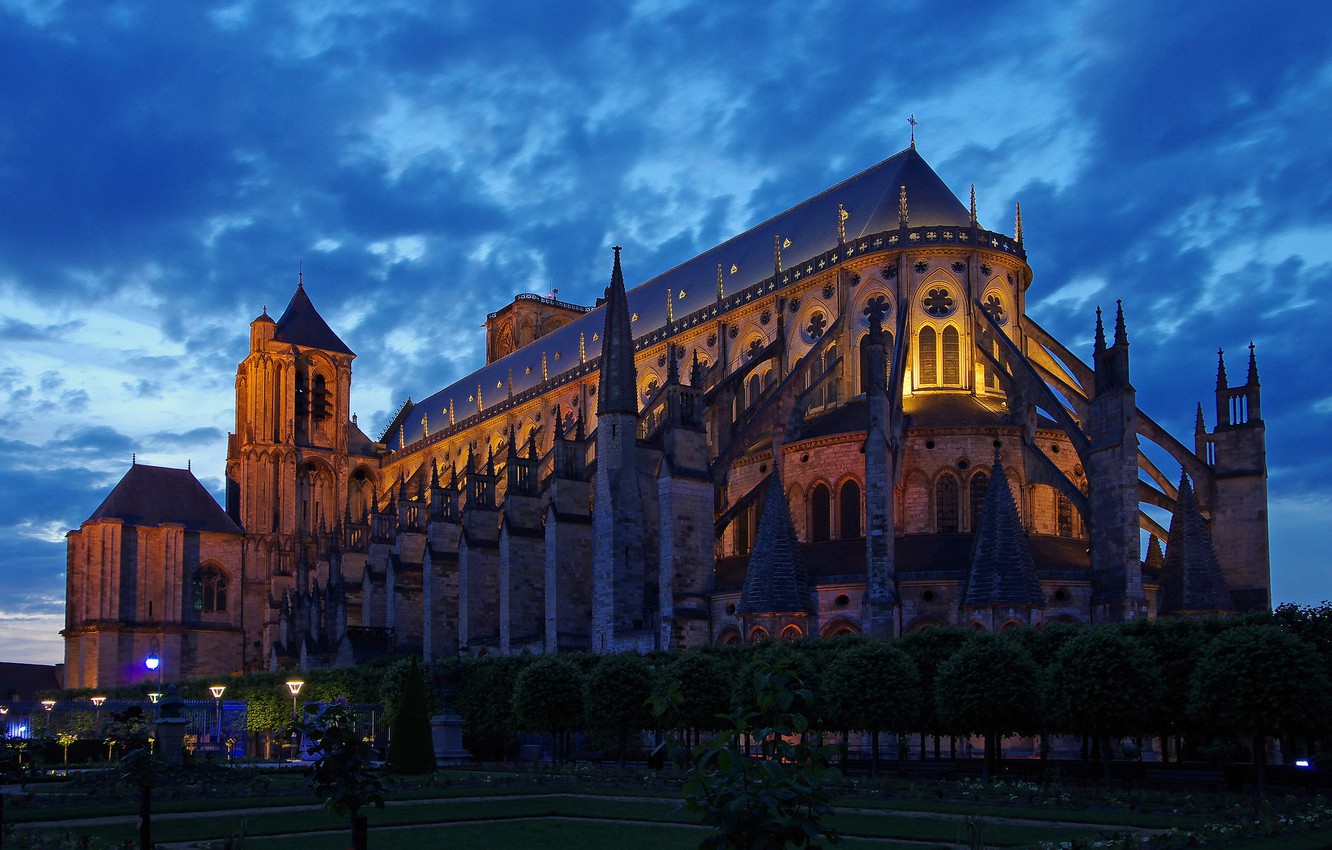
[(164, 167)]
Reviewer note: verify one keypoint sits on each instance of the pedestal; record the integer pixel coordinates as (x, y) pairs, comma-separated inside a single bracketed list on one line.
[(171, 738), (446, 733)]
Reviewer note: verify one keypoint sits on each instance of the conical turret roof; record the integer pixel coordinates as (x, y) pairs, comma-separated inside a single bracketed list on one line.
[(776, 581), (1191, 579), (1002, 570)]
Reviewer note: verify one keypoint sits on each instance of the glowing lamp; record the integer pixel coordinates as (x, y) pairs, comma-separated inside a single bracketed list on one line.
[(48, 704), (154, 697), (295, 686), (152, 662), (97, 701), (217, 690)]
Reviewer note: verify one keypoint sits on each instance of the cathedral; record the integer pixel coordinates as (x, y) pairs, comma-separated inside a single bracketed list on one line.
[(839, 421)]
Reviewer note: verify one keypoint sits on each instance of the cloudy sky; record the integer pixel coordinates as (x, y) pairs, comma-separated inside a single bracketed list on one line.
[(165, 167)]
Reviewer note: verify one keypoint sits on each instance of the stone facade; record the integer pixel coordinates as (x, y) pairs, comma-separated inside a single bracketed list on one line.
[(601, 481)]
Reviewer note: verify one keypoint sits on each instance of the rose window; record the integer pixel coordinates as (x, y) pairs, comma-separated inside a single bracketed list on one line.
[(818, 323), (877, 309), (938, 302), (994, 308)]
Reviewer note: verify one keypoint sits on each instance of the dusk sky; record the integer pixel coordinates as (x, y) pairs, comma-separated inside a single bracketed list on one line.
[(165, 167)]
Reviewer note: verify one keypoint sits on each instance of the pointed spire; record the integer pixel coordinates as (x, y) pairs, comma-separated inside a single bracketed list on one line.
[(912, 121), (1121, 332), (902, 217), (1199, 426), (1100, 332), (775, 581), (1155, 559), (580, 429), (1018, 226), (973, 205), (1221, 381), (490, 460), (513, 445), (300, 275), (1253, 367), (618, 392), (531, 445), (453, 476), (559, 423), (696, 372), (1191, 578), (434, 473), (1002, 571)]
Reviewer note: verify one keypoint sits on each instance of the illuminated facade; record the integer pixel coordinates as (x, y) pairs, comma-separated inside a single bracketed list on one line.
[(841, 420)]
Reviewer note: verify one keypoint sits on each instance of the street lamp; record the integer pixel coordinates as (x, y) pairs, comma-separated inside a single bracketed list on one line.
[(217, 690), (154, 663), (294, 685), (97, 705), (48, 704)]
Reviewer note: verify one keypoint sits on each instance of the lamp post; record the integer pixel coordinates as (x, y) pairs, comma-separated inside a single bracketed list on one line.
[(48, 704), (154, 663), (97, 713), (294, 685), (216, 691)]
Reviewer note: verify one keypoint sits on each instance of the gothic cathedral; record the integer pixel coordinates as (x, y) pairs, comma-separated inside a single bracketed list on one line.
[(840, 421)]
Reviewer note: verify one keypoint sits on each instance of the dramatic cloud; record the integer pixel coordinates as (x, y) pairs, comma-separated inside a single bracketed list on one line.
[(165, 169)]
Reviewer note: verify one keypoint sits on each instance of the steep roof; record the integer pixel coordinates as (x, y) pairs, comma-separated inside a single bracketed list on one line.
[(156, 495), (775, 581), (301, 324), (1002, 571), (1191, 580), (618, 391), (871, 199)]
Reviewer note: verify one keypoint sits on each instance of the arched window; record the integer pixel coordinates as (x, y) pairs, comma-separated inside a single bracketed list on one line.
[(820, 513), (320, 406), (758, 635), (952, 358), (945, 504), (980, 483), (1065, 515), (849, 500), (887, 361), (742, 533), (929, 357), (209, 590), (753, 389), (792, 632)]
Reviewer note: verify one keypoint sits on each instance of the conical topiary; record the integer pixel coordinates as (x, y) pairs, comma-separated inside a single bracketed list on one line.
[(411, 750)]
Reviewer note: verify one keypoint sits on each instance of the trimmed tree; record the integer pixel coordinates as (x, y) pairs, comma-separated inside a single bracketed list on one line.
[(872, 686), (548, 697), (411, 751), (704, 677), (617, 694), (1256, 681), (341, 774), (1104, 685), (989, 688), (485, 701), (930, 649)]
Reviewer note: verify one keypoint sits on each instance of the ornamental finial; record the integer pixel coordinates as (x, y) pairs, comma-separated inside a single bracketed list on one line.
[(721, 287), (911, 119), (1018, 228), (902, 207), (973, 205), (777, 253), (842, 216)]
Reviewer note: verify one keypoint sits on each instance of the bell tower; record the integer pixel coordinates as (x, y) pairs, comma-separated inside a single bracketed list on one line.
[(287, 465)]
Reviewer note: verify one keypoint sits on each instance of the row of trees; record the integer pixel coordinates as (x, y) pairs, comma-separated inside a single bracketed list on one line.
[(1186, 683)]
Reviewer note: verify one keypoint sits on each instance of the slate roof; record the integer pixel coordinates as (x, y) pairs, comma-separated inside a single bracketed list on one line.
[(21, 682), (156, 495), (775, 582), (1191, 579), (1002, 570), (871, 198), (301, 324)]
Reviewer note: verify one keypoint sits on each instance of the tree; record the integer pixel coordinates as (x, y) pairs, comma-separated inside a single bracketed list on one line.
[(411, 749), (65, 739), (1256, 681), (776, 800), (548, 697), (485, 701), (138, 766), (873, 686), (1176, 646), (704, 677), (616, 696), (1104, 685), (989, 688), (341, 773), (930, 649)]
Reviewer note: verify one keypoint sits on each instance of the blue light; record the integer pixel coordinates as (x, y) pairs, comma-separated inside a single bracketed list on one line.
[(1302, 763), (152, 661)]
